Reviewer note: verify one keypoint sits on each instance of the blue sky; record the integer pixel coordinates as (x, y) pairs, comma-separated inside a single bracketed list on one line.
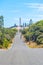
[(12, 10)]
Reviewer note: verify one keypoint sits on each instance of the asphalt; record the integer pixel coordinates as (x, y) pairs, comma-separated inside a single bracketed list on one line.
[(20, 54)]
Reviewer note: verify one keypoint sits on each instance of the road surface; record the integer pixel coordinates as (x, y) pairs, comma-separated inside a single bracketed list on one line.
[(20, 54)]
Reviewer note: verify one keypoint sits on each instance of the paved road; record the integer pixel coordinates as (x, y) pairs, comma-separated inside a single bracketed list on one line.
[(20, 54)]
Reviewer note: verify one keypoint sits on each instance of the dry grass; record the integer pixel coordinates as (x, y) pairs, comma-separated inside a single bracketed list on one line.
[(34, 45)]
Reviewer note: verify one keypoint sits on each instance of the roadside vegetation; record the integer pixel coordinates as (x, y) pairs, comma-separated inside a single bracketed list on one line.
[(34, 33), (6, 37), (6, 34)]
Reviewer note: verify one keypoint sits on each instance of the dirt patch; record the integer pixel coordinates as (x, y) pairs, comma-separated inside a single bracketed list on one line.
[(34, 45)]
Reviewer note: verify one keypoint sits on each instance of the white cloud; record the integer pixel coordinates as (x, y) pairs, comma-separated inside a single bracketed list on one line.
[(37, 6), (37, 18), (40, 15), (37, 15), (10, 11), (38, 12), (22, 19), (16, 19), (34, 5), (15, 11)]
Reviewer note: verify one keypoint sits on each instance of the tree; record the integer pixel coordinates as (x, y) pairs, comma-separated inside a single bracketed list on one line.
[(2, 27), (1, 21), (30, 23)]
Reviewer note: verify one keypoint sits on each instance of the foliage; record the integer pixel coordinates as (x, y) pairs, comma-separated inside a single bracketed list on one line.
[(9, 34), (5, 43), (40, 39), (34, 32), (6, 34)]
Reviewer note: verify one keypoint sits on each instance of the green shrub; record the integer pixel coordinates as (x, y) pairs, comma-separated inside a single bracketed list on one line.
[(34, 32), (0, 46), (28, 36), (5, 43), (23, 31), (40, 39)]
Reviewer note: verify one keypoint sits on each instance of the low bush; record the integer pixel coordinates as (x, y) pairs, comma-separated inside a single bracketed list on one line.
[(7, 36), (5, 43), (40, 39), (34, 32)]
